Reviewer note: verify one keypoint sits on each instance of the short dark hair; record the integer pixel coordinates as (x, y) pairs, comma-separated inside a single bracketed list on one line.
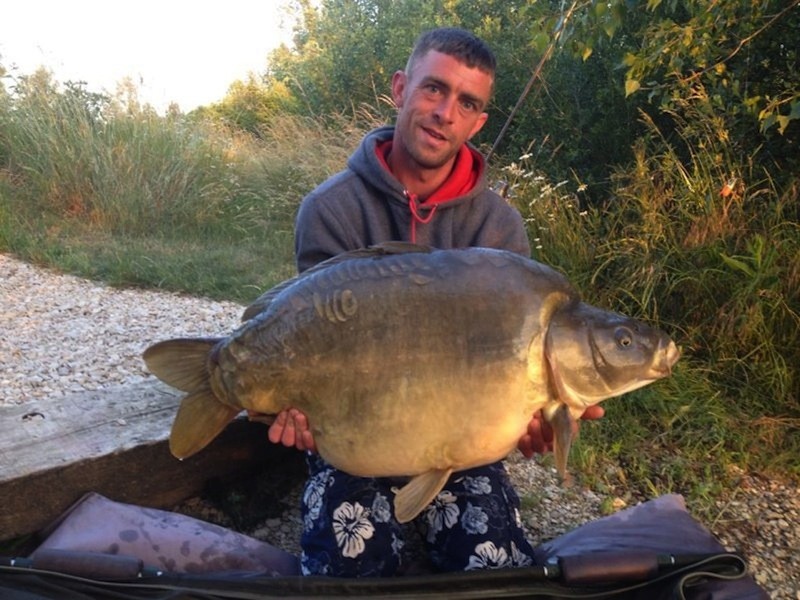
[(458, 43)]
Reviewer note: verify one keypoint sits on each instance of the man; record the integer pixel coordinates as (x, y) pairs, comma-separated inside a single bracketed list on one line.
[(419, 181)]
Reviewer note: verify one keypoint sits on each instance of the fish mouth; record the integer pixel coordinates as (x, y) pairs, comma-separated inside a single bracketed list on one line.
[(667, 357)]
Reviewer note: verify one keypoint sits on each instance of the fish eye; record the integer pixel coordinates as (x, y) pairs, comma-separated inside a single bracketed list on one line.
[(623, 337)]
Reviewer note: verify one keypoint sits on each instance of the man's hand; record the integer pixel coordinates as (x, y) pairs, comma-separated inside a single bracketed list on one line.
[(539, 437), (291, 429)]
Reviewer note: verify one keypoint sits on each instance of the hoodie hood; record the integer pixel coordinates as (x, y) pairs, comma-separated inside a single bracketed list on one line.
[(365, 204), (465, 180)]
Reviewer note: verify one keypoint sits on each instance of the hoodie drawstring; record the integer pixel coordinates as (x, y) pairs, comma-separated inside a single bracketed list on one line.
[(415, 207)]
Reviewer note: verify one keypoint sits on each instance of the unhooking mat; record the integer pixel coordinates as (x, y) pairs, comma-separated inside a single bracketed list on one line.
[(105, 549)]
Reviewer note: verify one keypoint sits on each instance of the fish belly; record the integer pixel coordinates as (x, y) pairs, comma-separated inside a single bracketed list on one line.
[(458, 423), (400, 367)]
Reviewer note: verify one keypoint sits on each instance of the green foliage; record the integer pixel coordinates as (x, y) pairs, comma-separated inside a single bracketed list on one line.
[(740, 58), (562, 234), (704, 244), (250, 105), (345, 54)]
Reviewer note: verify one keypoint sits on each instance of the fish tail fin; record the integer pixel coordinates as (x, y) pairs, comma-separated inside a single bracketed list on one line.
[(184, 364), (201, 417), (414, 496), (181, 363)]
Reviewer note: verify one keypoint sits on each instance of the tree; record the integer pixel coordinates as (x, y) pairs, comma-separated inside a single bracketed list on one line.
[(252, 103), (737, 61)]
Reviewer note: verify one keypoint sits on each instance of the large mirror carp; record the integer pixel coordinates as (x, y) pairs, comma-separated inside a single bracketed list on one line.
[(411, 361)]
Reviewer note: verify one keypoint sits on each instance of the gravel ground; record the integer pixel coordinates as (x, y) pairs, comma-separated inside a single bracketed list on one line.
[(62, 334)]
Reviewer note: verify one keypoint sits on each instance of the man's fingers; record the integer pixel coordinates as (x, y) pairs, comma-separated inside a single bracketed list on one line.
[(307, 441), (291, 429), (275, 432), (288, 436), (300, 420), (538, 438), (303, 438), (593, 412), (526, 446)]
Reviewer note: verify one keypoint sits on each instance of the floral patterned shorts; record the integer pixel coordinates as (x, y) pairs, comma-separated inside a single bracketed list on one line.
[(349, 529)]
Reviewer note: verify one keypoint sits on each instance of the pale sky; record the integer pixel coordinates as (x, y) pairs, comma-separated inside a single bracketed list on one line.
[(173, 50)]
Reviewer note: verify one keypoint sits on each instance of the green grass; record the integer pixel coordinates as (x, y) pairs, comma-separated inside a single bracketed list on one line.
[(180, 204), (220, 267)]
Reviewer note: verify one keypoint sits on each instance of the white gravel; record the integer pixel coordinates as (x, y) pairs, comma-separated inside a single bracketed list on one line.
[(60, 334)]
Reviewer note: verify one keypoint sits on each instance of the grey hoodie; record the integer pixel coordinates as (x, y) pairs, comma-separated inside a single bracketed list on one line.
[(365, 205)]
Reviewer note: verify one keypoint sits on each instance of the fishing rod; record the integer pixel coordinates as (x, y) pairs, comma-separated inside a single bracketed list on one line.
[(557, 32)]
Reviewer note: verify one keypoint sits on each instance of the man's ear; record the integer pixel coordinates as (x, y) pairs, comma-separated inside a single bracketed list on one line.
[(399, 81), (479, 124)]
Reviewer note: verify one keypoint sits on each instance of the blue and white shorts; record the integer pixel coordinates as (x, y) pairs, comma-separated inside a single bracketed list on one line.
[(349, 529)]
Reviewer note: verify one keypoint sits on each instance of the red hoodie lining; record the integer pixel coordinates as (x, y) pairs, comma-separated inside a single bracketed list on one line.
[(463, 177)]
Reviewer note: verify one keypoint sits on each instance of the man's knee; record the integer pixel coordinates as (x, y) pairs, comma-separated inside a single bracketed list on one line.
[(474, 523), (349, 529)]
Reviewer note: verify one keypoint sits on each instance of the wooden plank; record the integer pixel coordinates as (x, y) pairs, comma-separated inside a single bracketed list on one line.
[(113, 442)]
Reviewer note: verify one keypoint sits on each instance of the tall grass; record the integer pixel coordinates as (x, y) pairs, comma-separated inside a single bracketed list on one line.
[(119, 193), (127, 174)]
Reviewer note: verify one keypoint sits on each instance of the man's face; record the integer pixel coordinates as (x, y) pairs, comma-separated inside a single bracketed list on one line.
[(440, 105)]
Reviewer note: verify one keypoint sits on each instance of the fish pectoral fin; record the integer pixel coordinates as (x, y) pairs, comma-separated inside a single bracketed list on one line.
[(561, 421), (201, 417), (414, 496)]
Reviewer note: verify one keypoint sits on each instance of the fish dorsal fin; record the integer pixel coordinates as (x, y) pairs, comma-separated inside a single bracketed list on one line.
[(414, 496), (261, 303), (399, 248), (201, 417)]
